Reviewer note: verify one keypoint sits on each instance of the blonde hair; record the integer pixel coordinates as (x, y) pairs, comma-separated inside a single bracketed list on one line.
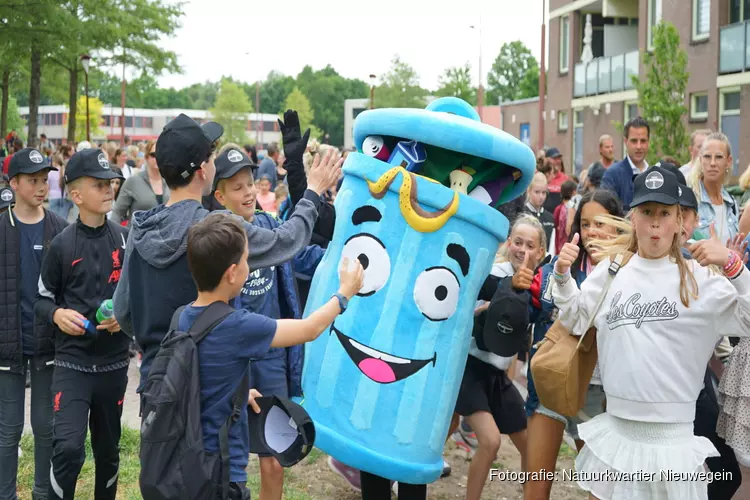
[(281, 191), (230, 145), (744, 179), (696, 174), (539, 178), (523, 220), (627, 241)]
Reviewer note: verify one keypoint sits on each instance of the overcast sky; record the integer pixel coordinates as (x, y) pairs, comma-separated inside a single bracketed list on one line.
[(246, 39)]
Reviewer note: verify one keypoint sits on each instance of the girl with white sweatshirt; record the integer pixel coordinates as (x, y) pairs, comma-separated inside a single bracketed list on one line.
[(659, 322)]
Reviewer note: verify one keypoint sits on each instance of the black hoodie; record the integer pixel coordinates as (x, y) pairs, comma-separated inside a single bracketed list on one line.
[(80, 270)]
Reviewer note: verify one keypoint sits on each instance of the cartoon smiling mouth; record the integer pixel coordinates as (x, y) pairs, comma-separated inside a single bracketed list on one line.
[(379, 366)]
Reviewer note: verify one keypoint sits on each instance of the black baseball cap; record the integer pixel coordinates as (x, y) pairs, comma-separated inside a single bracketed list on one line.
[(657, 185), (282, 428), (6, 198), (230, 162), (553, 153), (596, 173), (184, 145), (504, 329), (687, 197), (28, 161), (675, 170), (90, 163)]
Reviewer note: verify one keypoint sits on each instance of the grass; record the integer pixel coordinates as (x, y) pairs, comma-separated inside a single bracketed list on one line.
[(127, 488)]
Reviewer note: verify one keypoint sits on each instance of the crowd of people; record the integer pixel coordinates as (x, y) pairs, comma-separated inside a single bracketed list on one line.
[(134, 233)]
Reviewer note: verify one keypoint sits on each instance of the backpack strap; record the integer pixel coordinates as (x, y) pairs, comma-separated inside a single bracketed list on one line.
[(208, 319), (174, 324), (239, 401)]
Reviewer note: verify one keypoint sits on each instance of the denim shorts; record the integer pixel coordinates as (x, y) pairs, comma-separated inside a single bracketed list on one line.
[(594, 406)]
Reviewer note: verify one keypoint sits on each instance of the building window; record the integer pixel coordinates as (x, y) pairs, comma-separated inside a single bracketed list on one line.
[(654, 18), (562, 121), (730, 102), (564, 43), (699, 106), (739, 10), (701, 19)]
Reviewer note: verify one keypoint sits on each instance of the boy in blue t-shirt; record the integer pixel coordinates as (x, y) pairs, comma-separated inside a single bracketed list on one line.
[(269, 291), (217, 255)]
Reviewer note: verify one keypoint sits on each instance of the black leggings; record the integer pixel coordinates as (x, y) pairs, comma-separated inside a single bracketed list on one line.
[(379, 488)]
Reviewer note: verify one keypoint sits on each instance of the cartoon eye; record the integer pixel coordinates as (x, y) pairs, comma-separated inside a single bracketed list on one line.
[(436, 293), (372, 145), (374, 259)]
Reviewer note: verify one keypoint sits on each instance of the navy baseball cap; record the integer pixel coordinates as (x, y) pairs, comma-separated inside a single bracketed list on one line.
[(687, 197), (184, 145), (596, 173), (657, 185), (553, 153), (6, 198), (282, 428), (90, 163), (229, 162), (28, 161), (503, 328)]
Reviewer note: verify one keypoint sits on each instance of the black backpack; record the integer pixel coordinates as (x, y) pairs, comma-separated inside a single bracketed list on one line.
[(174, 464)]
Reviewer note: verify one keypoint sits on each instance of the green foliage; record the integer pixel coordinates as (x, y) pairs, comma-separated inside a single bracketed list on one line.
[(230, 110), (95, 117), (456, 82), (327, 90), (514, 74), (15, 122), (399, 88), (661, 94), (297, 101), (273, 91)]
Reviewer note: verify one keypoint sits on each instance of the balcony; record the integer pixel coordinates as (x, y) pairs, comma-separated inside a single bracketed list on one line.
[(605, 74), (734, 49)]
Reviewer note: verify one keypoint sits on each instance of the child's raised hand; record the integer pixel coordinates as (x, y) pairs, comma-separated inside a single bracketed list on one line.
[(568, 255), (710, 251), (524, 275), (351, 276)]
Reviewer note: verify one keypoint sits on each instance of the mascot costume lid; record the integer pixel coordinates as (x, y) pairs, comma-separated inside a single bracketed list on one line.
[(417, 207)]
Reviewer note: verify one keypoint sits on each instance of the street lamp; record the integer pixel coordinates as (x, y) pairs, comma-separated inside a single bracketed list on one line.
[(372, 91), (85, 61), (480, 89)]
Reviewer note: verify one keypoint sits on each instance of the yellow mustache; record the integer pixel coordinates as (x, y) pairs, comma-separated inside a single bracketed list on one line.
[(415, 216)]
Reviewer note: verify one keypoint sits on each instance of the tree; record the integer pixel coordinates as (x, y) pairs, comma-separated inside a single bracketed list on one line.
[(456, 82), (514, 74), (15, 122), (327, 90), (273, 91), (230, 110), (399, 88), (95, 118), (661, 94), (297, 101)]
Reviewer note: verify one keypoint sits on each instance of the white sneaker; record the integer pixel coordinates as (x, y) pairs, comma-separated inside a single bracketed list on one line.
[(20, 453), (395, 488)]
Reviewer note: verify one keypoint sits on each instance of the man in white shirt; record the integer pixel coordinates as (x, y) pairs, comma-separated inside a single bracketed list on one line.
[(696, 142)]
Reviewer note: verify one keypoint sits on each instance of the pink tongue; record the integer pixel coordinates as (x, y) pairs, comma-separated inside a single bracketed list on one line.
[(378, 370)]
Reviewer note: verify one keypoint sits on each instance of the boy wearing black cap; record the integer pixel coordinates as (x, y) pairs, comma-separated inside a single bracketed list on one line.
[(156, 279), (26, 343), (269, 291), (80, 271)]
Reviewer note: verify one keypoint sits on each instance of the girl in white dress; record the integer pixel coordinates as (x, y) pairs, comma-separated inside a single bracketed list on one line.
[(656, 330)]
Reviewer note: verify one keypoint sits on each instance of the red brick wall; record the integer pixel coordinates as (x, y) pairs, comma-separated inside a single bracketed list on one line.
[(527, 112)]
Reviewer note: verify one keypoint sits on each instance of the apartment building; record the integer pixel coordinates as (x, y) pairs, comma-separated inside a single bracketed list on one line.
[(586, 99), (144, 124)]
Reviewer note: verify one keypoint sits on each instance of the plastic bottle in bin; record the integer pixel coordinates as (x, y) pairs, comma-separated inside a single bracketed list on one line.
[(105, 311)]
